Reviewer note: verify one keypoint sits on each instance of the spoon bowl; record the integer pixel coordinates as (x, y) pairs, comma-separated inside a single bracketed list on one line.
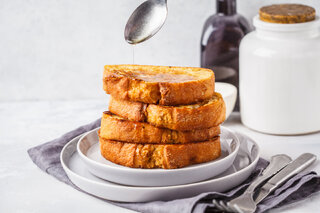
[(146, 21)]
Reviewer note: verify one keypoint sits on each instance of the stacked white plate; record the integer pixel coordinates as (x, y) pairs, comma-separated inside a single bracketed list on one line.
[(86, 168)]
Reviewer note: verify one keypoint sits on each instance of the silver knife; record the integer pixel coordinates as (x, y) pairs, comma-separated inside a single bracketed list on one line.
[(293, 168)]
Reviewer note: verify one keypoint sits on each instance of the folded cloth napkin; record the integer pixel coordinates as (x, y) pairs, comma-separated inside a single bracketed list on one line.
[(301, 186)]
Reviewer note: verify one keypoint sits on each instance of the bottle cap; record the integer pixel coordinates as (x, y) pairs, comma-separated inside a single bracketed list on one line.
[(287, 13)]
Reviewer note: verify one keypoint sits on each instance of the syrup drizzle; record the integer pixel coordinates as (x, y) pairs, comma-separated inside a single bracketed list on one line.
[(133, 53)]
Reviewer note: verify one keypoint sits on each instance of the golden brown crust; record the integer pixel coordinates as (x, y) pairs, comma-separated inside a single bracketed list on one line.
[(287, 13), (182, 118), (166, 156), (159, 84), (118, 129)]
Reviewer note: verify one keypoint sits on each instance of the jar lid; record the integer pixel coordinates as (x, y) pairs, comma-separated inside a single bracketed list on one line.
[(287, 13)]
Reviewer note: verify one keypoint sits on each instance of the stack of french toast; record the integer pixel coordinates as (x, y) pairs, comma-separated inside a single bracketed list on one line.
[(160, 117)]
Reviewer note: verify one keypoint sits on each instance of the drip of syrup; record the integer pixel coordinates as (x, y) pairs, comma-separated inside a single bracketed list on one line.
[(133, 53)]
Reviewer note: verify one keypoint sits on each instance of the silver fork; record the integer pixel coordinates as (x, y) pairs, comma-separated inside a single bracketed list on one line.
[(276, 164)]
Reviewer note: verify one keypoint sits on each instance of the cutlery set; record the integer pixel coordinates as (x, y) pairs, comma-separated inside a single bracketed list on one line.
[(280, 169)]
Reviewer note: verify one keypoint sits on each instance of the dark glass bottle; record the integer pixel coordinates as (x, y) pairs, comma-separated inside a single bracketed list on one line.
[(220, 41)]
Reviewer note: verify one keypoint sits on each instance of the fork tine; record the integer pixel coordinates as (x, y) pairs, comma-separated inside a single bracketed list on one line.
[(227, 207), (217, 205), (224, 206)]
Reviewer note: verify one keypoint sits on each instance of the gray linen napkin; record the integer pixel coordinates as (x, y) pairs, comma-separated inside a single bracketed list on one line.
[(301, 186)]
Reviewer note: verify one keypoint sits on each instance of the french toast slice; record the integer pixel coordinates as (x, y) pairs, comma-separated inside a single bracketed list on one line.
[(116, 128), (166, 156), (164, 85), (202, 115)]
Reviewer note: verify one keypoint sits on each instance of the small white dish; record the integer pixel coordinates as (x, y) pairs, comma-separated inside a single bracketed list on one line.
[(229, 94), (78, 173), (89, 151)]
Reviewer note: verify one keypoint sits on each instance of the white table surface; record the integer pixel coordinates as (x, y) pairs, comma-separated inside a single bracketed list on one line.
[(25, 188)]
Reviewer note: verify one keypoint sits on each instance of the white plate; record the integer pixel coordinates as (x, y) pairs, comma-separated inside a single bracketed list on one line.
[(89, 151), (78, 173)]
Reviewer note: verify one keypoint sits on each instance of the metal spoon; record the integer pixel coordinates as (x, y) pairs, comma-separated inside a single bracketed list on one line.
[(146, 21)]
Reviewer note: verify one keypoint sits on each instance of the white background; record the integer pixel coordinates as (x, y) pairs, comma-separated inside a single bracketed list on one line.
[(56, 49), (52, 54)]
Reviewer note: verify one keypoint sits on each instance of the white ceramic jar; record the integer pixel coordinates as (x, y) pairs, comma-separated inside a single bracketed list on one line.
[(280, 78)]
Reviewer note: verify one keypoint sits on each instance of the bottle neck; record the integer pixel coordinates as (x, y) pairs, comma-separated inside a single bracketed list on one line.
[(226, 7)]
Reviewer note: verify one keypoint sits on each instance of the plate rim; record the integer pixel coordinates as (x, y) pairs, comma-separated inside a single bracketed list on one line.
[(231, 155), (143, 188)]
